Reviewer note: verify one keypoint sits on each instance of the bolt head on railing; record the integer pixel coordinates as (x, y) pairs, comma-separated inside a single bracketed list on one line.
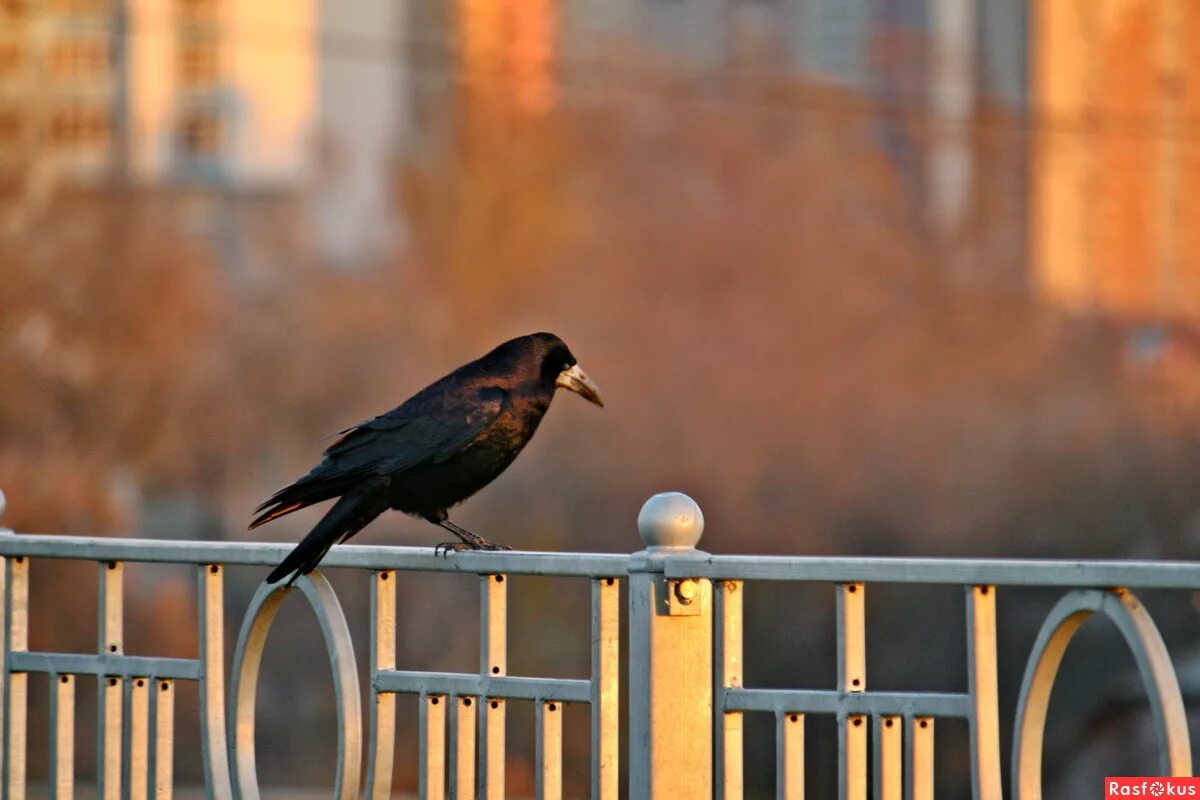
[(671, 519)]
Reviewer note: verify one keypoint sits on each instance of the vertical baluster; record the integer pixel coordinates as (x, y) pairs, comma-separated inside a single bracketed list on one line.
[(164, 740), (852, 677), (852, 637), (853, 756), (464, 748), (62, 737), (383, 710), (109, 692), (18, 682), (606, 697), (431, 778), (985, 713), (889, 754), (730, 725), (919, 743), (108, 775), (212, 681), (789, 756), (549, 750), (139, 739), (492, 780), (493, 651)]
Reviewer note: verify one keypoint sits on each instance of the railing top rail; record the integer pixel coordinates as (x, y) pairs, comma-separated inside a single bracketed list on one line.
[(961, 571), (964, 571), (264, 554)]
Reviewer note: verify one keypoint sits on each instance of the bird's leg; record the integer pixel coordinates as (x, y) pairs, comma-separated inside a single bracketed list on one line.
[(470, 541)]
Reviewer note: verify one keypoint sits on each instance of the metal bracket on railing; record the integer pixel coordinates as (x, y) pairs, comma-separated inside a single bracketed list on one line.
[(684, 598)]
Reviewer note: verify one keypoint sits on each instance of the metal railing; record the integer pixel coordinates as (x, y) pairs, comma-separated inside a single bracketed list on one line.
[(685, 656)]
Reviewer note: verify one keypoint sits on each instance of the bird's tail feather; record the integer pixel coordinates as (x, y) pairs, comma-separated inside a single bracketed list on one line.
[(347, 517), (307, 491)]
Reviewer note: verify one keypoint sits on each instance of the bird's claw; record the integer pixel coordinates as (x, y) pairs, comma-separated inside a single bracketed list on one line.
[(443, 549)]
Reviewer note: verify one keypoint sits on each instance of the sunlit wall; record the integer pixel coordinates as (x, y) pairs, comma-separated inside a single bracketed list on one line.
[(1116, 167)]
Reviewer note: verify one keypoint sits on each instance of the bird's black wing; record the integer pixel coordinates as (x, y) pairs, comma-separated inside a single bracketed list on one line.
[(432, 430), (417, 433)]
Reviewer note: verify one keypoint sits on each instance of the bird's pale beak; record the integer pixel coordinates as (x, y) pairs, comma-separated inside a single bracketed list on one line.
[(576, 380)]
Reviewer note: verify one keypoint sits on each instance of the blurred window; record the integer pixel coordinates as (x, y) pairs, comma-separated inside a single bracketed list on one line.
[(79, 57), (10, 125), (79, 125), (90, 7), (200, 134), (198, 63), (11, 184), (206, 9), (11, 56)]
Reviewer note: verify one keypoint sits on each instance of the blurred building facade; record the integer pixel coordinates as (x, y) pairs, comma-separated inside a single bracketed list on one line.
[(1115, 91), (58, 98), (222, 101), (231, 107), (224, 106), (362, 52), (220, 93), (512, 47), (218, 98), (197, 91), (916, 59)]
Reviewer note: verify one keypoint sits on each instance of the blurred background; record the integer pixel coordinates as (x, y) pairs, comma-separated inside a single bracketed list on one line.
[(887, 277)]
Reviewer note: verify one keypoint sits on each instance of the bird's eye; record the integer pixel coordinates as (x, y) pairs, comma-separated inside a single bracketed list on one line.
[(566, 366)]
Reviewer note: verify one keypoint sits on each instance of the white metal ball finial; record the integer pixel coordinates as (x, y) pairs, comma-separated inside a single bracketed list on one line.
[(671, 519)]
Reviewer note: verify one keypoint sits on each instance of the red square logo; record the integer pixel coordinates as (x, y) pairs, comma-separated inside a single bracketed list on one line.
[(1151, 787)]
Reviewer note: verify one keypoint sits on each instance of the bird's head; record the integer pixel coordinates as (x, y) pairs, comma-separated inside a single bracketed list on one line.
[(555, 365)]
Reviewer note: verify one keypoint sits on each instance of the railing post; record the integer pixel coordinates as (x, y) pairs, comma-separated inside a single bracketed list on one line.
[(670, 658)]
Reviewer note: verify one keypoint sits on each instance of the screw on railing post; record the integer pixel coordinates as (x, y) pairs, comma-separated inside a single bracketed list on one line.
[(670, 656)]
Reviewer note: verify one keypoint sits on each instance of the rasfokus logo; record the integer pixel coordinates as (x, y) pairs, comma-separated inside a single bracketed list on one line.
[(1151, 787)]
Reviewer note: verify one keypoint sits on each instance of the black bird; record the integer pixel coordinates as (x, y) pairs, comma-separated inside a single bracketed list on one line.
[(435, 450)]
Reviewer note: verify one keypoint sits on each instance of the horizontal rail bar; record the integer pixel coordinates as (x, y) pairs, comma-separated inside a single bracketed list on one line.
[(504, 686), (816, 701), (1002, 572), (998, 572), (122, 666), (264, 554)]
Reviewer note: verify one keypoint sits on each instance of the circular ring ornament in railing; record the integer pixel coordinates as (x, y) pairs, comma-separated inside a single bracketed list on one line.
[(1153, 663), (247, 658)]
